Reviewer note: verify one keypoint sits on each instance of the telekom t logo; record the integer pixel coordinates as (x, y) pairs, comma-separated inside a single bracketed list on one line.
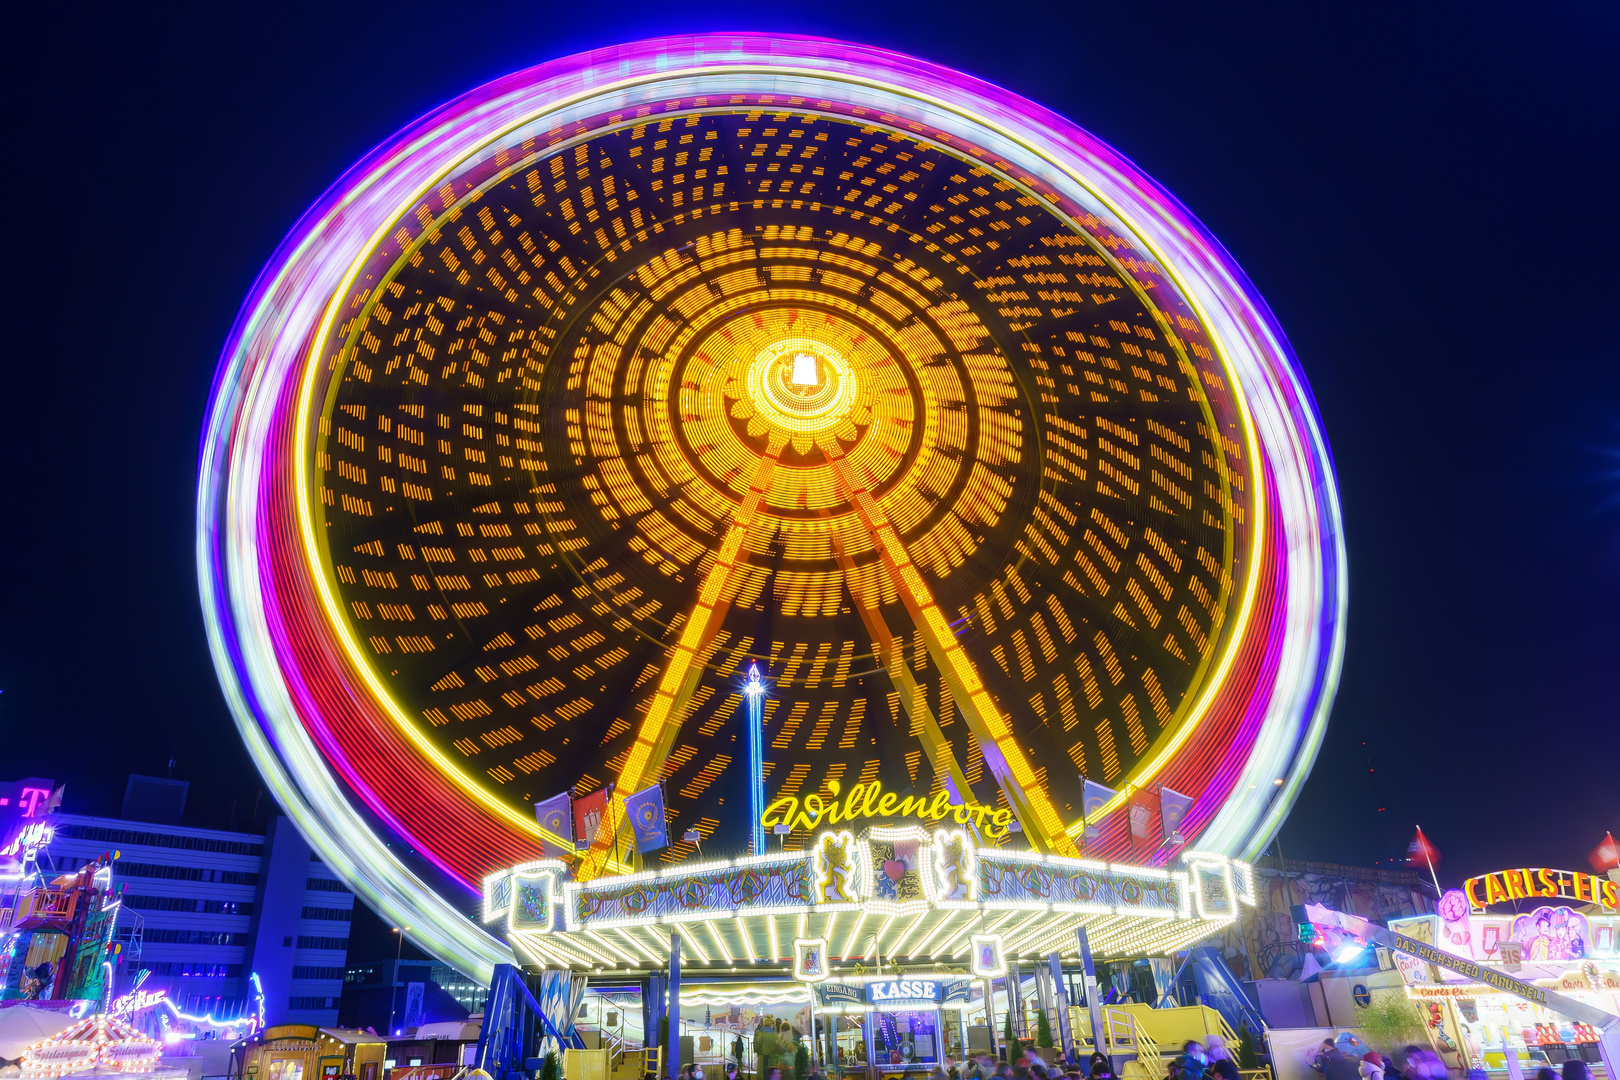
[(31, 799)]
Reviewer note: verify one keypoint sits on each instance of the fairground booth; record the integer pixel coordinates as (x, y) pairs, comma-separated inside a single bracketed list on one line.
[(1550, 930), (876, 951)]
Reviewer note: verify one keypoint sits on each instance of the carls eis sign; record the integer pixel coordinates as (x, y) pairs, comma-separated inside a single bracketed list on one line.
[(1506, 886)]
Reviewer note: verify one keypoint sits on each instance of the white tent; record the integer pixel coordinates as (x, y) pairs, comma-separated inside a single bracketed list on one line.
[(22, 1024)]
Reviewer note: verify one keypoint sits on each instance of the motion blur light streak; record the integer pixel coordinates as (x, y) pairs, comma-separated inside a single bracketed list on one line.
[(624, 373)]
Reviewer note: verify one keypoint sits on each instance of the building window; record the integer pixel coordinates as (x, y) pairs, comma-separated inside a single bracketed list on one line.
[(191, 937), (337, 914), (312, 1003), (186, 903), (166, 840), (185, 873), (305, 942), (301, 972)]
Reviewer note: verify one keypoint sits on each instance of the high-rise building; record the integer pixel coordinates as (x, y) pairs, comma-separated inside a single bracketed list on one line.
[(205, 908), (396, 996)]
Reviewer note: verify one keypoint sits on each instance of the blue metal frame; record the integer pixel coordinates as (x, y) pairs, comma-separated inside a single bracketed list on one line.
[(514, 1024), (754, 692)]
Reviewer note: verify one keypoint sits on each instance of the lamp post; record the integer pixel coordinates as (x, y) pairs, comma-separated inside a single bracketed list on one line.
[(399, 949), (754, 690)]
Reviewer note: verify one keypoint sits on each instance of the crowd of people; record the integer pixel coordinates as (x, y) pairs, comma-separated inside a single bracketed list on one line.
[(1207, 1060), (1417, 1063)]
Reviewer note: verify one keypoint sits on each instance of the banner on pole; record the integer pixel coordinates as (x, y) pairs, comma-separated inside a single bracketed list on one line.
[(556, 830), (646, 812), (588, 814), (1096, 797), (1173, 810), (1143, 803)]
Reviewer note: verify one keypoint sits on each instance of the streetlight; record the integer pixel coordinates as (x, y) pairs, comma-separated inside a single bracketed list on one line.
[(393, 998)]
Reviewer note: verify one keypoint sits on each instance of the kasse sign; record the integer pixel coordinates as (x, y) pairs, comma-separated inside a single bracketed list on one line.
[(902, 990)]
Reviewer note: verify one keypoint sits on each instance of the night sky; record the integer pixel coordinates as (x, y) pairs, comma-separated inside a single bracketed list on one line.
[(1425, 194)]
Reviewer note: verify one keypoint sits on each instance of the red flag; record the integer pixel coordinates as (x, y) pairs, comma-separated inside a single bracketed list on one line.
[(1143, 804), (1421, 854), (588, 814), (1606, 856)]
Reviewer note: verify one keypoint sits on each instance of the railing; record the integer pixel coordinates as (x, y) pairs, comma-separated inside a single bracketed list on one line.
[(46, 905), (1121, 1034)]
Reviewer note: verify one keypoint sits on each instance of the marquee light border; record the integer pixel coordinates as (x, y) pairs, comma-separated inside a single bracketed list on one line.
[(252, 570)]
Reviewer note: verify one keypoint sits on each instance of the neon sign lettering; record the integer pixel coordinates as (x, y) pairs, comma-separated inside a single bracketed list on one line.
[(871, 801), (1506, 886), (136, 1000), (30, 839), (903, 990)]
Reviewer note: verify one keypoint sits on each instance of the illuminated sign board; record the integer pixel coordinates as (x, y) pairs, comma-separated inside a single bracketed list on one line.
[(871, 801), (1506, 886), (902, 990)]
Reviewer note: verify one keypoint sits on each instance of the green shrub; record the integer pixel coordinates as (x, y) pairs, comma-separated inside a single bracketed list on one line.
[(1043, 1029), (550, 1067), (1390, 1021), (1248, 1058), (801, 1062)]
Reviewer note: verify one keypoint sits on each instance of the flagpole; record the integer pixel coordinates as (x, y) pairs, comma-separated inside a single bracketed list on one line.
[(1424, 840)]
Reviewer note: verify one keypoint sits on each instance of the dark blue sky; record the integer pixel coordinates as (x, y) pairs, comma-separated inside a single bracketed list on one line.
[(1425, 193)]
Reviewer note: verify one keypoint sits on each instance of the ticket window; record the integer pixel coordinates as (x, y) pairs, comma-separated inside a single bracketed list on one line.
[(903, 1040)]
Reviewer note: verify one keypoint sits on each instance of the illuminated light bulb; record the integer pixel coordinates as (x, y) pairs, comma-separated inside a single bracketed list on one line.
[(804, 370)]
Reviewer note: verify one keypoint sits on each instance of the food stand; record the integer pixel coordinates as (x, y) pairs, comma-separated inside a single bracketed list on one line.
[(1555, 929)]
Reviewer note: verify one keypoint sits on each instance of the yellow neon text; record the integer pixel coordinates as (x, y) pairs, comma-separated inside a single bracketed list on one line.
[(871, 801)]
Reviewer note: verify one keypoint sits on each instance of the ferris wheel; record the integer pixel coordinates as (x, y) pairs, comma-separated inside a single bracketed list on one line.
[(626, 374)]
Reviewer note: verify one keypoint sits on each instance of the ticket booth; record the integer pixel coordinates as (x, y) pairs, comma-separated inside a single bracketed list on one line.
[(307, 1052), (889, 1027)]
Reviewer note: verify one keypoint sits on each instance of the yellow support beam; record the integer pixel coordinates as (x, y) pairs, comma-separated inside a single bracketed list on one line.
[(682, 669), (1042, 825), (940, 756)]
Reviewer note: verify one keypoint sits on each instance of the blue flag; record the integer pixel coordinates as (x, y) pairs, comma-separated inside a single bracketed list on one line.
[(555, 816), (1095, 797), (646, 812)]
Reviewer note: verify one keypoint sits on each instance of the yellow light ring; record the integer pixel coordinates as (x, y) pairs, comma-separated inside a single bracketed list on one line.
[(1215, 291)]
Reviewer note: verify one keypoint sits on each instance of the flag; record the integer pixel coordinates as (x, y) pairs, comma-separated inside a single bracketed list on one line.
[(556, 835), (1606, 856), (1173, 809), (588, 815), (1142, 807), (1422, 854), (646, 812), (1096, 796)]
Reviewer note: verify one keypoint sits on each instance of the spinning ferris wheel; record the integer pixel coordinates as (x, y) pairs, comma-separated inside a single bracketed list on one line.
[(625, 373)]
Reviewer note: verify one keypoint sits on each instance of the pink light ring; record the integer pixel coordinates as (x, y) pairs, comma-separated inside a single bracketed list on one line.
[(337, 231), (264, 359), (1233, 774)]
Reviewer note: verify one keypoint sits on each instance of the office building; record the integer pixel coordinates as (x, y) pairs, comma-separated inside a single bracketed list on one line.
[(397, 996), (205, 908)]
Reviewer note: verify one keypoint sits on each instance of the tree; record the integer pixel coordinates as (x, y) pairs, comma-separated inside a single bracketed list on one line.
[(1043, 1029), (550, 1069), (1248, 1058), (1015, 1047), (801, 1061), (1391, 1020)]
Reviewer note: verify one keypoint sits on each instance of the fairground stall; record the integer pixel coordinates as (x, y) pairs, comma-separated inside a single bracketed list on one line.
[(308, 1052), (1553, 929), (875, 952)]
